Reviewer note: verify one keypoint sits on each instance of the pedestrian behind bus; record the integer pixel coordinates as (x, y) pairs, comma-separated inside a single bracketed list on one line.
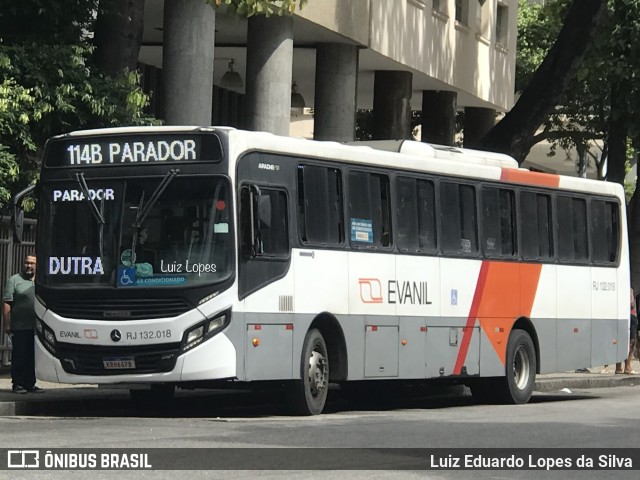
[(633, 335)]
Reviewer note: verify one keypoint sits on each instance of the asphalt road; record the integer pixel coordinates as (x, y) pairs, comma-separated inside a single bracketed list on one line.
[(585, 419)]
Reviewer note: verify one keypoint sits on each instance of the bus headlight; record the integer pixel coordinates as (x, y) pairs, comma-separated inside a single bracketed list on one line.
[(195, 334), (205, 330), (216, 323), (46, 336)]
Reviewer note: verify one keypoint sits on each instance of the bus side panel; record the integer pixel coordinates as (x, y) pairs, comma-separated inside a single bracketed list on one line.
[(269, 348), (543, 316), (443, 349), (458, 284), (490, 363), (416, 293), (574, 317), (268, 311), (236, 332), (320, 281), (353, 329), (413, 346), (381, 347), (547, 332), (604, 298)]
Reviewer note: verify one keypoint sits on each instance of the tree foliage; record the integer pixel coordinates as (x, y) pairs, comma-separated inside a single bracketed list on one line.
[(514, 134), (248, 8), (584, 115), (49, 86)]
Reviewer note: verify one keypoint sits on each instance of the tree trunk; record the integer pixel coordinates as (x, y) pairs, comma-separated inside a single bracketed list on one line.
[(617, 151), (633, 211), (118, 35), (583, 160), (513, 135)]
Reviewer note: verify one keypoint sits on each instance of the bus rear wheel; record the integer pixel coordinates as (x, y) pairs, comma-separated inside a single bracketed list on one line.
[(308, 395), (520, 368), (516, 387)]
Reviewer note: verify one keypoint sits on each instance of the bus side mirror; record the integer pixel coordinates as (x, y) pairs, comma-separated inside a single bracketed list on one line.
[(17, 216)]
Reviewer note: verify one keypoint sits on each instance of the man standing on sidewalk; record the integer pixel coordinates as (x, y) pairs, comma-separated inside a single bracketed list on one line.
[(19, 322)]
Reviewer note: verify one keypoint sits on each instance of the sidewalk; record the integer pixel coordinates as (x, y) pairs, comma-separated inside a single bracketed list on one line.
[(554, 382), (59, 398)]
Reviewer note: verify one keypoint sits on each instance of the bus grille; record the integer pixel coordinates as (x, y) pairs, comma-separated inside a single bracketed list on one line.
[(89, 360), (122, 309)]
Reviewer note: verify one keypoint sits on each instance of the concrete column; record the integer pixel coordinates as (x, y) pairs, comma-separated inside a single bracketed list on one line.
[(477, 122), (439, 117), (391, 105), (187, 62), (269, 67), (336, 91)]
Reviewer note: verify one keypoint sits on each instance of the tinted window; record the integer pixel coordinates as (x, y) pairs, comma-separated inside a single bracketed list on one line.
[(498, 232), (458, 218), (416, 215), (263, 222), (572, 229), (535, 226), (369, 209), (320, 218), (604, 231)]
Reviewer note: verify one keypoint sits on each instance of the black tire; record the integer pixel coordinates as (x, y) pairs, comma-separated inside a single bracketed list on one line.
[(308, 395), (516, 387), (520, 368)]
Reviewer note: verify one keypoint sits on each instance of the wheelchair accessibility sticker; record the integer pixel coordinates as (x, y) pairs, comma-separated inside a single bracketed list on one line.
[(128, 277)]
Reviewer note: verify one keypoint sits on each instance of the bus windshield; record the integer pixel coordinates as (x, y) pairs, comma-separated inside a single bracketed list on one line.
[(131, 233)]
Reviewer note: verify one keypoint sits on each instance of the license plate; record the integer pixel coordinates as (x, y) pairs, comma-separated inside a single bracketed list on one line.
[(118, 363)]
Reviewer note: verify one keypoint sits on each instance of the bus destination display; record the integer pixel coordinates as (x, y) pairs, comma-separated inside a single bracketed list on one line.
[(87, 152)]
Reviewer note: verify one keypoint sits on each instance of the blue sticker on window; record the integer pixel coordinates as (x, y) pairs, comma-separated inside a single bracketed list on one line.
[(361, 230), (126, 276)]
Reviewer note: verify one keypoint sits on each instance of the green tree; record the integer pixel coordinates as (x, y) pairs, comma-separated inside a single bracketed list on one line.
[(49, 85), (601, 100), (515, 133), (248, 8)]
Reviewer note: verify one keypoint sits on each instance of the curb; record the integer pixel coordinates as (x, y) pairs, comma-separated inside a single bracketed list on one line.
[(555, 384)]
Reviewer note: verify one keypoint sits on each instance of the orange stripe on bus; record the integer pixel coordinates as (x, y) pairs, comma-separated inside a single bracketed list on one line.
[(529, 178), (505, 291), (471, 320)]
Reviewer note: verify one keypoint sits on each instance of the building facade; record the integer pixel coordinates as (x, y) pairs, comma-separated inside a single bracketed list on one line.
[(392, 56)]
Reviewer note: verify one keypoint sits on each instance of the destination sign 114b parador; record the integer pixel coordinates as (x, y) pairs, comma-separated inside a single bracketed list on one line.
[(132, 149)]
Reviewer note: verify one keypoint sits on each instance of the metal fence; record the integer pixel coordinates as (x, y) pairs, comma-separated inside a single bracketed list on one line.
[(11, 257)]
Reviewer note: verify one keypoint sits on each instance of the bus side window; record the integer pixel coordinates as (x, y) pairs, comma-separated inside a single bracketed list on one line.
[(458, 219), (573, 244), (604, 231), (536, 226), (369, 209), (263, 222)]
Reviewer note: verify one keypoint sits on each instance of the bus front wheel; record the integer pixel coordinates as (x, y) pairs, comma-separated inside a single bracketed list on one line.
[(309, 394)]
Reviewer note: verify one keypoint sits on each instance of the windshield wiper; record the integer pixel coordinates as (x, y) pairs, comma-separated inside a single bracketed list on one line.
[(145, 208), (85, 191), (143, 211)]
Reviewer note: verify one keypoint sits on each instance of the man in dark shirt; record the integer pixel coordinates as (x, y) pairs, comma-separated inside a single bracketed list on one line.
[(20, 321)]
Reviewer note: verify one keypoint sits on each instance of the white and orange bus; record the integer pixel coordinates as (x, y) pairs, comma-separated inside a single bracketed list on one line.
[(185, 256)]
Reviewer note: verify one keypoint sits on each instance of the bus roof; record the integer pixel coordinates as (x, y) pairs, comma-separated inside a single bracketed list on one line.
[(401, 154), (467, 155)]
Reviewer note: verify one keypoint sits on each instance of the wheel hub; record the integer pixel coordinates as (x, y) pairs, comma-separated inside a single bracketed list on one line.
[(521, 367), (317, 373)]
